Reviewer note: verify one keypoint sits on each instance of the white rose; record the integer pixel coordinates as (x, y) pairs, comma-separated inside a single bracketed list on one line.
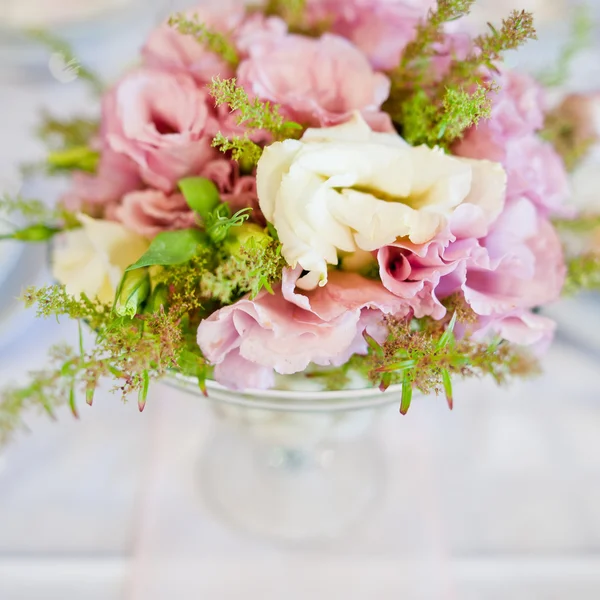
[(347, 188), (92, 260)]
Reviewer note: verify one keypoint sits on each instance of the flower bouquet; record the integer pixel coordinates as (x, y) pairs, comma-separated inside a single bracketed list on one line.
[(356, 194)]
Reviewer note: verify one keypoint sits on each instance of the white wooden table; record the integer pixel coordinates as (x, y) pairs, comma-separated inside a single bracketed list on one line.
[(498, 499)]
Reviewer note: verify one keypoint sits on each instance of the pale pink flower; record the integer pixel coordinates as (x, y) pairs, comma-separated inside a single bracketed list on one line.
[(163, 122), (518, 106), (534, 169), (330, 79), (148, 212), (523, 266), (521, 327), (581, 112), (285, 332), (517, 266), (167, 48)]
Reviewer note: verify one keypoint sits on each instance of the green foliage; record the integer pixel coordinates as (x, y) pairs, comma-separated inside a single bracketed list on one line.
[(425, 355), (254, 115), (215, 41), (172, 248), (293, 12), (59, 134), (583, 224), (257, 265), (130, 351), (414, 66), (583, 273), (424, 123), (39, 222), (437, 111), (59, 46), (580, 39)]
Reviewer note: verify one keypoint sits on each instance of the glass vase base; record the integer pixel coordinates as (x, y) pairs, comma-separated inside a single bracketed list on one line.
[(290, 493)]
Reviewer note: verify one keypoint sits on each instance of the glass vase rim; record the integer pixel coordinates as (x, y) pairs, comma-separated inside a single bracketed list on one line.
[(290, 400)]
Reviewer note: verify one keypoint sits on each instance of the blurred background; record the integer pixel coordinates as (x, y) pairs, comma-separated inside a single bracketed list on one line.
[(498, 499)]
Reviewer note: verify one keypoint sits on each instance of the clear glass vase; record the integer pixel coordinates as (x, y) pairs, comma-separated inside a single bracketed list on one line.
[(291, 463)]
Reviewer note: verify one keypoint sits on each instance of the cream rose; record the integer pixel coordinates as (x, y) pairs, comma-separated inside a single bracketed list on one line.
[(92, 260), (347, 188)]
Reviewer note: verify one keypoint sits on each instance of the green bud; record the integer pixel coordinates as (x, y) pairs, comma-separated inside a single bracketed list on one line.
[(201, 194), (133, 290), (33, 233), (241, 235), (158, 298)]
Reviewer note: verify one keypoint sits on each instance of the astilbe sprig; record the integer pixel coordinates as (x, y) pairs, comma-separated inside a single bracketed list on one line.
[(213, 40), (255, 266), (253, 115), (414, 65), (130, 351), (423, 356), (437, 112)]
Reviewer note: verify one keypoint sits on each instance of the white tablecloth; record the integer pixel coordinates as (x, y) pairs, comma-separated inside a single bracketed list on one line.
[(498, 499)]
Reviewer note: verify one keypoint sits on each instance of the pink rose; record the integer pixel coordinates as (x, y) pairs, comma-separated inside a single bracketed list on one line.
[(167, 48), (380, 29), (238, 190), (116, 176), (148, 212), (330, 79), (163, 123), (286, 332)]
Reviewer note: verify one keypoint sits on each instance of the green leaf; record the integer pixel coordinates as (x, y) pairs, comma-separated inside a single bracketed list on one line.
[(143, 393), (448, 335), (72, 403), (385, 382), (89, 393), (373, 344), (201, 194), (172, 248), (448, 388), (407, 392), (399, 366)]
